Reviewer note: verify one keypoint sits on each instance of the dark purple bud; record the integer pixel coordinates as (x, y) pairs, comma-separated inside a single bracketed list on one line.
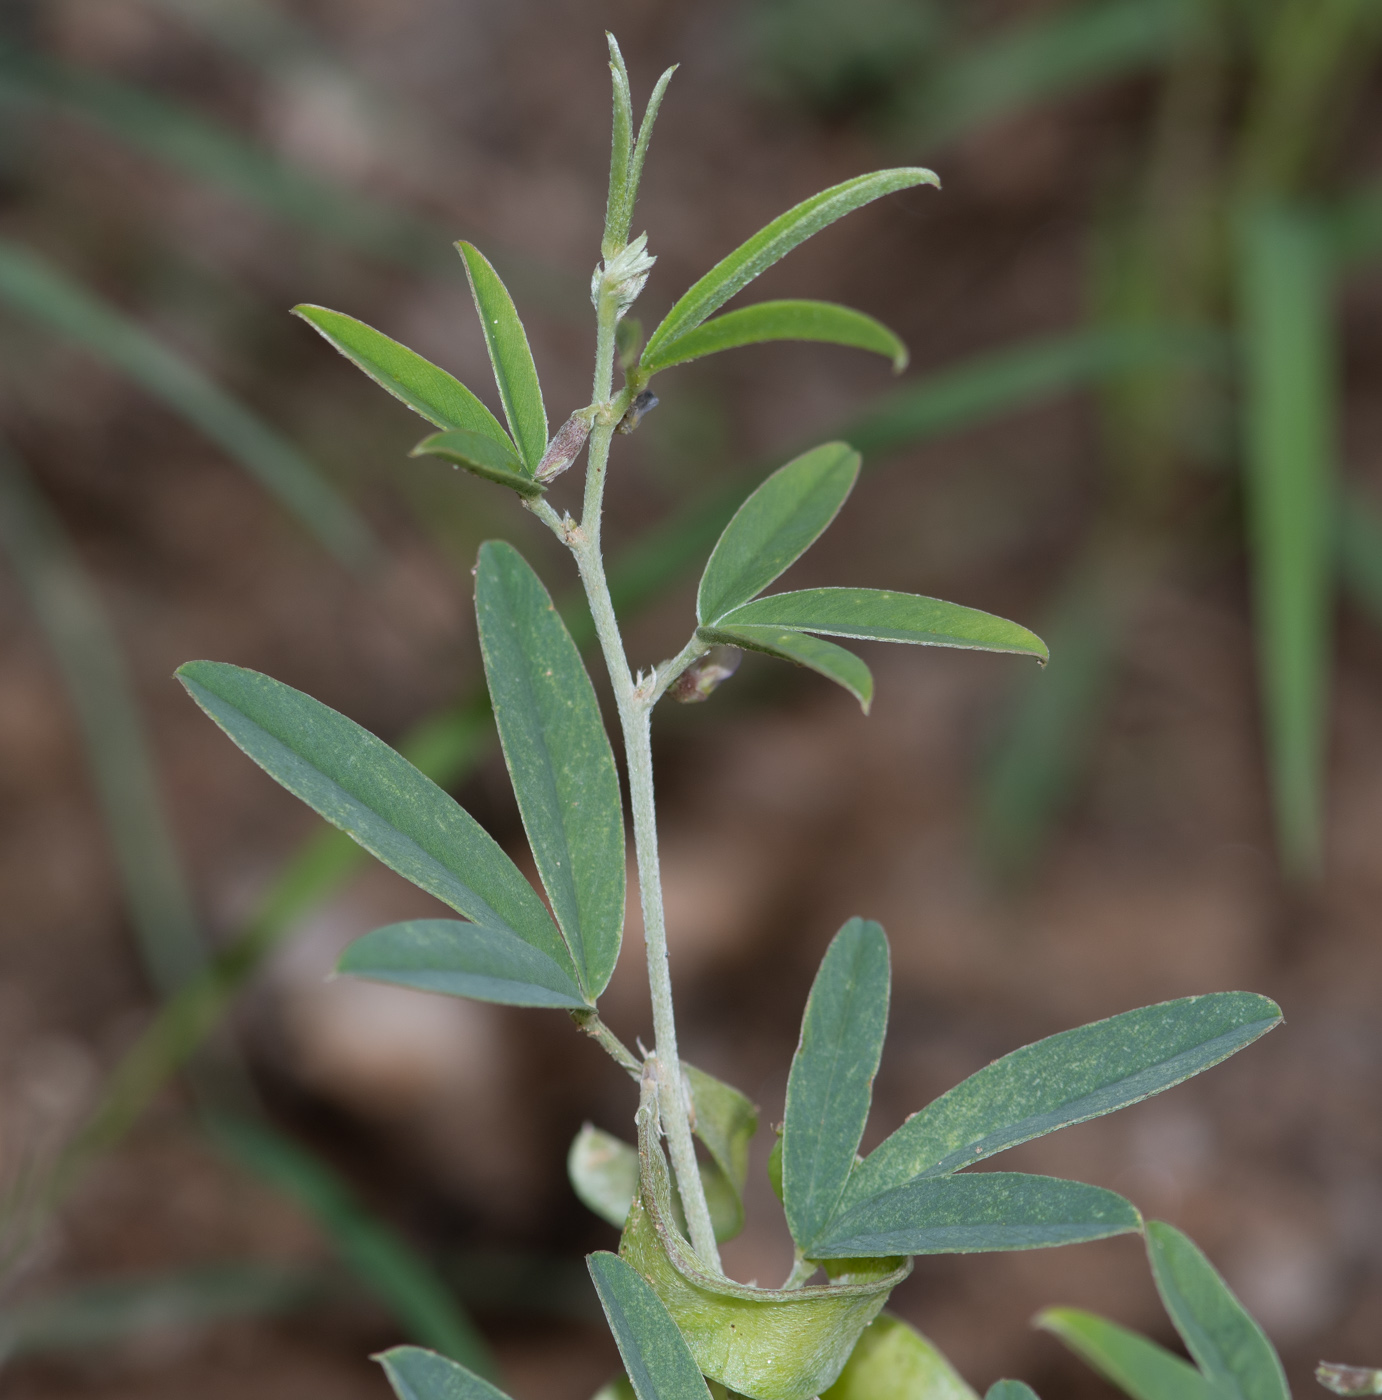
[(644, 403), (702, 677)]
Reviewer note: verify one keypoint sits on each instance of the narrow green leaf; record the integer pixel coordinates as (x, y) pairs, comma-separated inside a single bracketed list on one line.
[(657, 1360), (559, 757), (1229, 1347), (976, 1213), (893, 1361), (802, 649), (416, 1374), (382, 1260), (781, 320), (874, 614), (1065, 1079), (776, 240), (831, 1081), (461, 960), (514, 371), (775, 526), (619, 204), (481, 456), (1010, 1390), (603, 1171), (358, 783), (1132, 1362), (428, 390), (37, 290), (1290, 419), (645, 137)]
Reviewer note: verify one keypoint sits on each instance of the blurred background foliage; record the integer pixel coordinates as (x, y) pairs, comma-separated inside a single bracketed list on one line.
[(1139, 419)]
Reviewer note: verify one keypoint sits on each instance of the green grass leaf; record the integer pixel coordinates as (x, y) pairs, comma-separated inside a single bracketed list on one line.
[(1230, 1348), (775, 241), (775, 526), (559, 758), (657, 1360), (428, 390), (893, 1361), (461, 960), (416, 1374), (1132, 1362), (781, 320), (358, 783), (1010, 1390), (39, 291), (507, 343), (831, 1081), (1291, 396), (603, 1171), (482, 456), (1065, 1079), (875, 614), (802, 649), (976, 1213)]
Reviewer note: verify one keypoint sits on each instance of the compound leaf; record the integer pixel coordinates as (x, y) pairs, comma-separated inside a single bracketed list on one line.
[(657, 1360), (482, 456), (1064, 1079), (974, 1214), (559, 757), (775, 526), (1134, 1363), (418, 1374), (831, 1081), (875, 614), (781, 320), (775, 241), (893, 1361), (461, 960), (802, 649), (373, 794), (427, 389), (1228, 1345), (507, 343)]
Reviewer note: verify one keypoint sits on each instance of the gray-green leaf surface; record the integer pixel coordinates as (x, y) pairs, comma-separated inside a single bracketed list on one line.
[(775, 526), (975, 1213), (802, 649), (1132, 1362), (1010, 1390), (776, 240), (603, 1171), (1227, 1344), (418, 1374), (831, 1081), (781, 320), (657, 1360), (514, 371), (559, 757), (1065, 1079), (358, 783)]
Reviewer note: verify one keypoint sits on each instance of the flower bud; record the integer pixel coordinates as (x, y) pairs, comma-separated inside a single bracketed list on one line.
[(565, 447), (703, 676), (633, 415), (623, 275)]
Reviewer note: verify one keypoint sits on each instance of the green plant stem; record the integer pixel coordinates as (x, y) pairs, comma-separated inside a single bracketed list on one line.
[(595, 1028)]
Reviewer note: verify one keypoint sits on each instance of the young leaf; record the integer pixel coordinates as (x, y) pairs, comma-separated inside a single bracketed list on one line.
[(416, 1374), (358, 783), (1229, 1347), (618, 205), (559, 757), (645, 137), (775, 526), (482, 456), (895, 1362), (976, 1213), (461, 960), (428, 390), (781, 320), (1010, 1390), (514, 371), (1132, 1362), (604, 1173), (775, 241), (831, 1081), (1064, 1079), (802, 649), (875, 614), (656, 1358)]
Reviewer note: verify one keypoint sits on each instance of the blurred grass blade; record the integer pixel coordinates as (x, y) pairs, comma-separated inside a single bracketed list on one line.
[(1290, 395), (1067, 51), (384, 1263), (830, 1085), (1135, 1364), (416, 1374), (833, 662), (100, 690), (893, 1361), (772, 242), (820, 321), (1227, 1344), (1358, 549), (37, 290)]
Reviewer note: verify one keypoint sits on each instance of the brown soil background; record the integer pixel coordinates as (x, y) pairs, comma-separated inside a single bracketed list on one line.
[(784, 811)]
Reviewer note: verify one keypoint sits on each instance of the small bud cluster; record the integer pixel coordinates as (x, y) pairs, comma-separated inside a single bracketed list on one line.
[(623, 276)]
